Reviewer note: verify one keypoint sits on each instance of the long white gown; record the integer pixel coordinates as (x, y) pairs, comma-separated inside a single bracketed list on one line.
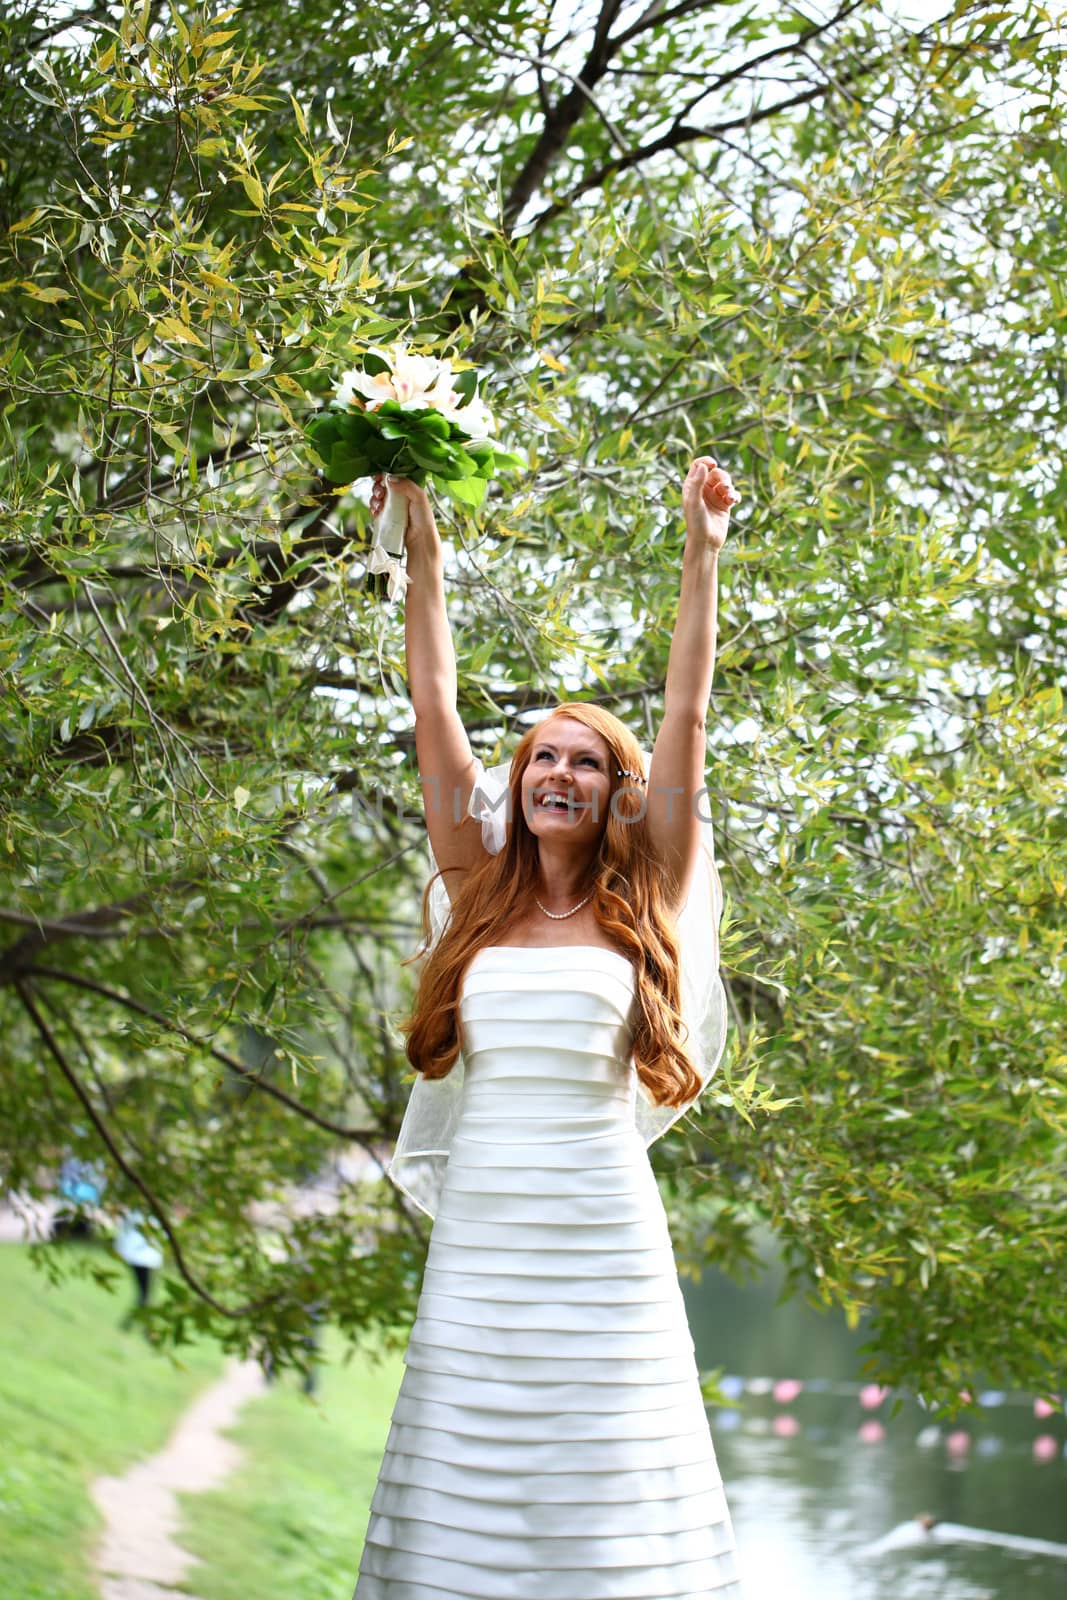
[(549, 1441)]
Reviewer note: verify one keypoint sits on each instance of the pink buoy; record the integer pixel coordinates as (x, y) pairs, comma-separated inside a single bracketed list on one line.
[(958, 1443), (1043, 1409), (871, 1431), (786, 1390), (785, 1425), (872, 1395), (1045, 1447)]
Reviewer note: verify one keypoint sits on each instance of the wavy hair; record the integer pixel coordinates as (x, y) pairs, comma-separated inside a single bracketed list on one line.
[(628, 903)]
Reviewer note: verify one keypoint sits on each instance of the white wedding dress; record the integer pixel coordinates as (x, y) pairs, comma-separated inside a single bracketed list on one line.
[(549, 1441)]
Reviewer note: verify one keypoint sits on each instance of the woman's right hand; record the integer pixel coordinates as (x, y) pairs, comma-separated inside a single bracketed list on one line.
[(421, 532)]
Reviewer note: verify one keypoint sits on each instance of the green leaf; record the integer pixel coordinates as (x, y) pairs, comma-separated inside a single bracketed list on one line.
[(884, 736), (469, 491), (439, 464), (433, 422), (344, 466)]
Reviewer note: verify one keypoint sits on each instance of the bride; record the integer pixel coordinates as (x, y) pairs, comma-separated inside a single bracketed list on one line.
[(549, 1441)]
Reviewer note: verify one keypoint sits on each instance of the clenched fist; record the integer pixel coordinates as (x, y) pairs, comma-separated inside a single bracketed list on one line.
[(707, 495), (421, 533)]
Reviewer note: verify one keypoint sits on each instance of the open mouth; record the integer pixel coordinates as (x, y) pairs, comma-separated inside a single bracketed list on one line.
[(557, 803)]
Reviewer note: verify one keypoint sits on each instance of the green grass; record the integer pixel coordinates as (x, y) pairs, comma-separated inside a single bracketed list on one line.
[(289, 1523), (77, 1398)]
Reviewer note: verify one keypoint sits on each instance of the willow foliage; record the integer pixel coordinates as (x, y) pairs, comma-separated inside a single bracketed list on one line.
[(826, 247)]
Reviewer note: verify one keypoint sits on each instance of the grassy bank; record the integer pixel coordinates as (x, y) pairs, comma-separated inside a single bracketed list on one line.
[(77, 1398), (289, 1524)]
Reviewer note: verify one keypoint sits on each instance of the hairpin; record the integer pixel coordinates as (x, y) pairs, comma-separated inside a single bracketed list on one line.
[(635, 777)]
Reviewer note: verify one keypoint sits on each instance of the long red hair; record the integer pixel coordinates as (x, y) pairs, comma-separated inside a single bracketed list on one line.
[(628, 904)]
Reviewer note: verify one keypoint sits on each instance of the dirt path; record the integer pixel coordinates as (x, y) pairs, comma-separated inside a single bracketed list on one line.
[(138, 1557)]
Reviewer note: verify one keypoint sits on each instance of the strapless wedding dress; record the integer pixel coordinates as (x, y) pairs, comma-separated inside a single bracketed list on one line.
[(549, 1441)]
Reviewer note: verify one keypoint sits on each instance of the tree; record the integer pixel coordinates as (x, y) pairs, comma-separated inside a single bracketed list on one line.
[(825, 246)]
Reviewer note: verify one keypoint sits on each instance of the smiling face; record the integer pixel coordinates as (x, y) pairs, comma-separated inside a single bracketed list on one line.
[(568, 762)]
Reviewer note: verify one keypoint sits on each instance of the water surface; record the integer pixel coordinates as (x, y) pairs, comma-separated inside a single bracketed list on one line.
[(814, 1481)]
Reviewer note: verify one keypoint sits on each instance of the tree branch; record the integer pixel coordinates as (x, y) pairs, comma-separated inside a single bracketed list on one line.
[(673, 139), (795, 46), (654, 16), (97, 12), (134, 488), (132, 1176), (364, 1137), (563, 116), (614, 134), (104, 921)]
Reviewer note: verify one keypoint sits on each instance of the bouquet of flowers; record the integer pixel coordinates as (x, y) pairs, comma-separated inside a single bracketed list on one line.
[(416, 418)]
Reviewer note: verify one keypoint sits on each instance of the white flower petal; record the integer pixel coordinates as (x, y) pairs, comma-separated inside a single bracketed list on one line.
[(413, 374), (475, 418)]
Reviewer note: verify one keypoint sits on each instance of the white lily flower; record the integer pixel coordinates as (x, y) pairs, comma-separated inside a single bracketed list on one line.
[(443, 397), (414, 377), (474, 418), (409, 381), (347, 388), (418, 383)]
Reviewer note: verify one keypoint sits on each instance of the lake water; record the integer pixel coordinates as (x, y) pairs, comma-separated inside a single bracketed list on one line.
[(815, 1480)]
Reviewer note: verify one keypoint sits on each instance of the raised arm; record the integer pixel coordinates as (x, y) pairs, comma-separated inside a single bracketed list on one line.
[(676, 772), (446, 760)]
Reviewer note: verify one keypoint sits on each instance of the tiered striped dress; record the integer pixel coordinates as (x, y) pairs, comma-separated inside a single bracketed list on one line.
[(549, 1441)]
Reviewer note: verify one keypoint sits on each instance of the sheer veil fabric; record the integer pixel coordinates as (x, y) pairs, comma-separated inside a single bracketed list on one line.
[(430, 1120)]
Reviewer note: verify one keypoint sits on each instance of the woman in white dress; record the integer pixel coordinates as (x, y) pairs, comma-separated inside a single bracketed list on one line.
[(549, 1441)]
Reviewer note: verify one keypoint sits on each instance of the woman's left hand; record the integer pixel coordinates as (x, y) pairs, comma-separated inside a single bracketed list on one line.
[(707, 495)]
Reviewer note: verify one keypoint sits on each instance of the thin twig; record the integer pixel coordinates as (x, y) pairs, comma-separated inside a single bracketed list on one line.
[(362, 1136), (132, 1176)]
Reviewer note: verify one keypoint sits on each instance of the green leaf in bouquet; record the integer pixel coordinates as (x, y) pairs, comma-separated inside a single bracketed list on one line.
[(467, 464), (484, 458), (436, 466), (466, 384), (451, 457), (387, 455), (358, 427), (323, 431), (394, 430), (374, 365), (404, 465), (459, 435), (469, 491), (429, 426), (342, 460), (441, 455), (433, 422), (343, 466), (338, 429)]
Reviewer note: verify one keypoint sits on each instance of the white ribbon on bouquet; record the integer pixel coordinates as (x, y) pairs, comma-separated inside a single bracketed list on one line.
[(387, 543)]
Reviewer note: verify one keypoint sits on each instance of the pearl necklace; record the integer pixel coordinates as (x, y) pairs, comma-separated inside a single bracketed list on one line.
[(560, 916)]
